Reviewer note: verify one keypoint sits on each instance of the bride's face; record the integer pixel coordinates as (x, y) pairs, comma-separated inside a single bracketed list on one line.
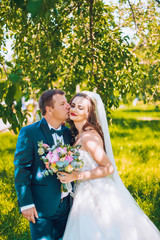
[(79, 109)]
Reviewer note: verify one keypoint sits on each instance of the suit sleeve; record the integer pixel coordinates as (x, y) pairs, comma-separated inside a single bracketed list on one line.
[(23, 160)]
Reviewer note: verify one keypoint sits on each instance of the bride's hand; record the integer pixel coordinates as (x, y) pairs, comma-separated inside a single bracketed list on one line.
[(67, 177)]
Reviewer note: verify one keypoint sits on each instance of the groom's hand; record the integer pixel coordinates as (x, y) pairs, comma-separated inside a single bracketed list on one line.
[(30, 214)]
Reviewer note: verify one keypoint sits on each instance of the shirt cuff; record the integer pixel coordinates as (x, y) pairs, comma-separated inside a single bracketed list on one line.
[(69, 190), (27, 207)]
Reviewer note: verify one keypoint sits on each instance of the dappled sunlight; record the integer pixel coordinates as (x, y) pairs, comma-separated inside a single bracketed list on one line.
[(39, 175), (45, 238), (23, 191)]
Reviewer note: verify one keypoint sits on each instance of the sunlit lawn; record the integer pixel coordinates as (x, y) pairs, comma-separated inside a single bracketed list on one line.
[(12, 225), (136, 149)]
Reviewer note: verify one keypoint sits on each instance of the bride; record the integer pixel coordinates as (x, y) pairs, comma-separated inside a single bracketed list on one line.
[(103, 209)]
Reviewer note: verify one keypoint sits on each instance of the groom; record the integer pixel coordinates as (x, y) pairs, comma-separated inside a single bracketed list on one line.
[(39, 197)]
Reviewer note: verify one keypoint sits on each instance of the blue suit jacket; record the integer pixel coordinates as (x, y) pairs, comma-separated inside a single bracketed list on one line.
[(31, 185)]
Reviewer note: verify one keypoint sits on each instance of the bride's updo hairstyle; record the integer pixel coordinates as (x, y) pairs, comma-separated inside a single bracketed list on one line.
[(92, 122)]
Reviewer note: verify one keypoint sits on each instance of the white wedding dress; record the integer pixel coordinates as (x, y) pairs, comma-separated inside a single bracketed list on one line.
[(101, 211)]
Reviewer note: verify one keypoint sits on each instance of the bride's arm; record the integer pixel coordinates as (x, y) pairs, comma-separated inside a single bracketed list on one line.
[(93, 144)]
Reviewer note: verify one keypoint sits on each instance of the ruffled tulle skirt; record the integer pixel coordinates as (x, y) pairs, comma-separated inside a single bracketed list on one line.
[(99, 212)]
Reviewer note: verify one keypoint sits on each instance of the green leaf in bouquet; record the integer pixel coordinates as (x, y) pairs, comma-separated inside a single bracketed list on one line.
[(78, 146), (59, 144), (66, 163), (75, 158), (50, 149), (44, 159), (60, 155), (69, 148), (60, 164), (63, 187), (40, 143), (53, 147), (77, 154), (74, 164), (80, 164), (50, 171), (61, 169), (72, 149), (46, 173)]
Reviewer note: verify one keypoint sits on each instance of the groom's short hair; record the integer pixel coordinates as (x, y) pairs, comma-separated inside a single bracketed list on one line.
[(46, 99)]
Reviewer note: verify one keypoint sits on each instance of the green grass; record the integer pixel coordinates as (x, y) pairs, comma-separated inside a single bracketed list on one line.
[(12, 225), (137, 112), (137, 153)]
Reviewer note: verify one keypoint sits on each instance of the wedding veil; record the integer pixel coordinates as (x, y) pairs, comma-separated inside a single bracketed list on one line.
[(102, 119)]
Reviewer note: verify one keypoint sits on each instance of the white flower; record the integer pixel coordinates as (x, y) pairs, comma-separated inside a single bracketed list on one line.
[(41, 151), (62, 159)]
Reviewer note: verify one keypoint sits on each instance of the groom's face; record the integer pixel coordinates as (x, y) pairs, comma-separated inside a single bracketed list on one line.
[(61, 108)]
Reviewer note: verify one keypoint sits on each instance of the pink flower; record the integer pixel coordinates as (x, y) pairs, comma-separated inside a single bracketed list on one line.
[(69, 159), (61, 150), (52, 157), (45, 145)]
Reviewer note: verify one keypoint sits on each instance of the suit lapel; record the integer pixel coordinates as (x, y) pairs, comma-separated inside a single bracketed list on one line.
[(46, 131)]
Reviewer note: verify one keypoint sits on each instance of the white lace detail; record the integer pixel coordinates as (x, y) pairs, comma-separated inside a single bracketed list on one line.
[(89, 163)]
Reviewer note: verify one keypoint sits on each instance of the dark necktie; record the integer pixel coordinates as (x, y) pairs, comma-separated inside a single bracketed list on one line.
[(58, 132)]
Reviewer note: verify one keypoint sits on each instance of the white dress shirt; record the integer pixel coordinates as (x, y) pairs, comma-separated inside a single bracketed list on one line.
[(55, 136)]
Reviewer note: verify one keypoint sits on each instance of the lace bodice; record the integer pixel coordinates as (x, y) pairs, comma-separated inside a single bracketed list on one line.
[(88, 164), (88, 161)]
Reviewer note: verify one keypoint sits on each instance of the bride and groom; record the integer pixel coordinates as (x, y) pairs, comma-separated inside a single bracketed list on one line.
[(102, 209)]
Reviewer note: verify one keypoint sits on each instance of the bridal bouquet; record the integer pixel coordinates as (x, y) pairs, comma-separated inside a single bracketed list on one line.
[(60, 158)]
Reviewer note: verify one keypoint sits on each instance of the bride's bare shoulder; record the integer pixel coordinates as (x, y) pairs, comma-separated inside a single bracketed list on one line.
[(91, 138), (91, 133)]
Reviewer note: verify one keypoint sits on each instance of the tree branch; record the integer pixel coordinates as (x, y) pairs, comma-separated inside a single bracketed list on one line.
[(84, 26), (4, 68), (91, 33), (134, 19)]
